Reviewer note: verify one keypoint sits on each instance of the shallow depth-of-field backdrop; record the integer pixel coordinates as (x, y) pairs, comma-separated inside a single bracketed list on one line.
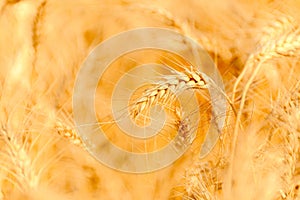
[(254, 44)]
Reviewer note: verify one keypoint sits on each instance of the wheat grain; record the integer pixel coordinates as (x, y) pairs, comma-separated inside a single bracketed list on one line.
[(68, 133), (186, 133)]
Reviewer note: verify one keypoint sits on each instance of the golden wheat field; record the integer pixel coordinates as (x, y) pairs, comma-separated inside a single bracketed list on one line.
[(254, 44)]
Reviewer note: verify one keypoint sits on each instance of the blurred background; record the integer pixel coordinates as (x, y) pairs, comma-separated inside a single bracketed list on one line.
[(254, 44)]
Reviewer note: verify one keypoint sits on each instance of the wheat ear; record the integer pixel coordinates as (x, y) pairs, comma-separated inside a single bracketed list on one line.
[(165, 89), (289, 113), (273, 45)]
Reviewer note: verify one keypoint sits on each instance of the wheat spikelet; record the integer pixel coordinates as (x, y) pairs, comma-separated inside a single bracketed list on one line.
[(68, 133), (184, 132), (287, 116), (17, 163), (204, 180)]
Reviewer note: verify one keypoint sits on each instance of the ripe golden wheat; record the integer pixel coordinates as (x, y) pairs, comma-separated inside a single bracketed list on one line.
[(254, 44)]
